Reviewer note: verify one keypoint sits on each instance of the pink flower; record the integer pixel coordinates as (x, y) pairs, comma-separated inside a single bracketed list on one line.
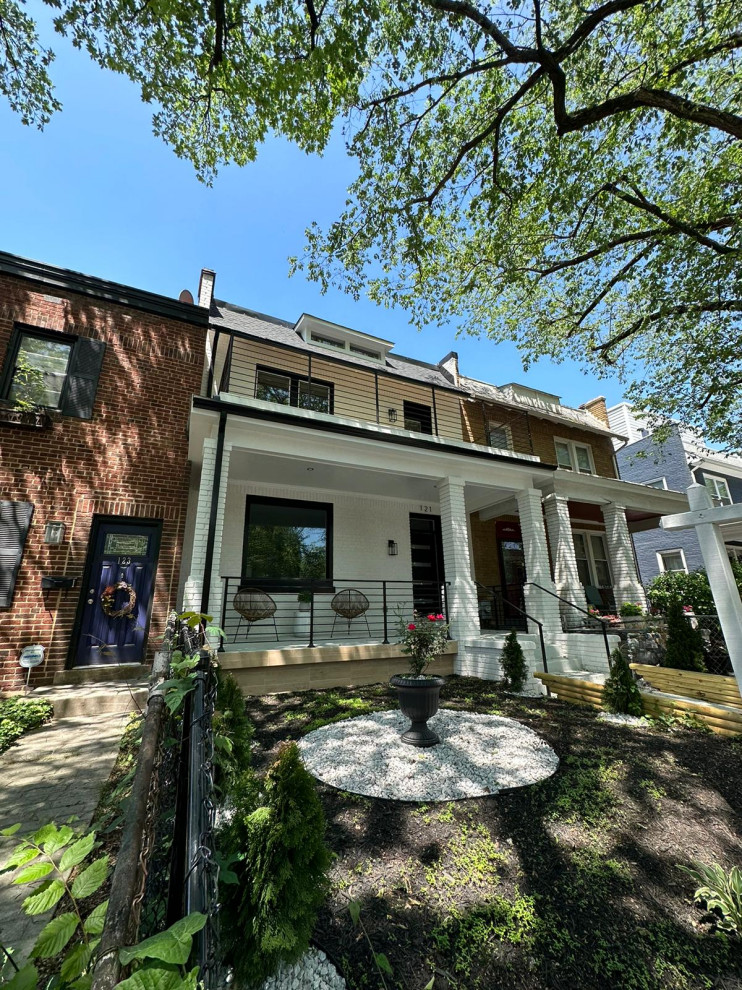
[(440, 617), (432, 618), (411, 625)]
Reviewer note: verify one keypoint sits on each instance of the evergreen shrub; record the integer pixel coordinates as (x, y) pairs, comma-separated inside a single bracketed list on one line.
[(684, 642), (620, 692), (513, 663)]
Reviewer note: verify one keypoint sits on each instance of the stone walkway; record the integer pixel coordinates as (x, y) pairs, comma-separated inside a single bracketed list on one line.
[(49, 775)]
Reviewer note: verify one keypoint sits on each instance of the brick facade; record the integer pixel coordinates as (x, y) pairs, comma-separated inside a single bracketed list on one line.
[(129, 459)]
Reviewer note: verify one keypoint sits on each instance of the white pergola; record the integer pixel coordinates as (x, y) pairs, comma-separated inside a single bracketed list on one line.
[(707, 521)]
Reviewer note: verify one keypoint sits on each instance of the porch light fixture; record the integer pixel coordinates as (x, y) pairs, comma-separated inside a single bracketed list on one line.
[(392, 548), (54, 533), (392, 415)]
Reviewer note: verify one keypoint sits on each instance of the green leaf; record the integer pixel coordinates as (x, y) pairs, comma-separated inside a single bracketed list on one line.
[(76, 961), (94, 922), (61, 839), (11, 829), (90, 879), (34, 872), (45, 833), (429, 985), (55, 936), (83, 982), (383, 963), (26, 978), (43, 899), (171, 946), (354, 910), (77, 852), (20, 856), (154, 977)]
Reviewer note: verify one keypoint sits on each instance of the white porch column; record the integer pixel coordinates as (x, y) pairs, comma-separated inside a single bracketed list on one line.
[(539, 604), (566, 575), (463, 609), (194, 582), (721, 578), (627, 586)]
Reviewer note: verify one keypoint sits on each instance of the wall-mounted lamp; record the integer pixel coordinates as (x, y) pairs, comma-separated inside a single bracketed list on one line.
[(392, 548), (54, 533), (392, 415)]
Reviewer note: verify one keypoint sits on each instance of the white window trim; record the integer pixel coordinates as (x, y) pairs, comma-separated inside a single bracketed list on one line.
[(587, 533), (572, 445), (653, 482), (718, 478), (661, 562)]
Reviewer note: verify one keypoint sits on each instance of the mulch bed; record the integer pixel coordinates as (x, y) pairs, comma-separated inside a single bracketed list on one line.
[(571, 883)]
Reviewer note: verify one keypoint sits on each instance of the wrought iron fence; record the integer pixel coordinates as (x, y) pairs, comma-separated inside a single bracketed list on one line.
[(502, 607), (260, 613), (715, 651)]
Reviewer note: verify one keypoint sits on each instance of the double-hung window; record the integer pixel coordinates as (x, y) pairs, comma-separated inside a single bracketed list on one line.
[(672, 560), (574, 456), (287, 541), (592, 559), (718, 489), (289, 389)]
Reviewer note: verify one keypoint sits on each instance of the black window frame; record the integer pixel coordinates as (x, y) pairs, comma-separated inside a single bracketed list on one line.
[(79, 391), (420, 413), (294, 381), (288, 584)]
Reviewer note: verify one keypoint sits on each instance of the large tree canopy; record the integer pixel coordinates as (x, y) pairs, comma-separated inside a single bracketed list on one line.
[(563, 174)]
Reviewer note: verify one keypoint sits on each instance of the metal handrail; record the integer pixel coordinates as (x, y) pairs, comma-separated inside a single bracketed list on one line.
[(603, 624), (493, 593)]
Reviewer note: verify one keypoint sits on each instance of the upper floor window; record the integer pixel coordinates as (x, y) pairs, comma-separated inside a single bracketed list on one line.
[(656, 483), (418, 418), (718, 489), (672, 560), (53, 371), (289, 389), (499, 435), (574, 456)]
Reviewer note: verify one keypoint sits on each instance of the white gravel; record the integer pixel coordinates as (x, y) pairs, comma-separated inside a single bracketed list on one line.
[(477, 755), (622, 719), (313, 971)]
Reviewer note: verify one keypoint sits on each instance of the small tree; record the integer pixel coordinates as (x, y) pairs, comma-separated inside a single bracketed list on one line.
[(283, 875), (620, 692), (513, 663), (684, 642)]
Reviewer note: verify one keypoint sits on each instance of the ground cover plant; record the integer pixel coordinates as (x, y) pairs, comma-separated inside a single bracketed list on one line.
[(573, 883), (19, 715)]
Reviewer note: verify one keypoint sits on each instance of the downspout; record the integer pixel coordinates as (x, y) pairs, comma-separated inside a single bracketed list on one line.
[(211, 536)]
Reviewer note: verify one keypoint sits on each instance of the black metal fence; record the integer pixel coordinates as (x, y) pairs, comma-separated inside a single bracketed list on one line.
[(715, 652), (260, 614), (502, 607)]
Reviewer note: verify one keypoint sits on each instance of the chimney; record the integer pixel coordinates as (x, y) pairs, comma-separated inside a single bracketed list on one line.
[(449, 365), (596, 407), (206, 288)]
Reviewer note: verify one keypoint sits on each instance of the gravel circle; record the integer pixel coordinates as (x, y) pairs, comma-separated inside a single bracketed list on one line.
[(313, 971), (478, 755), (622, 719)]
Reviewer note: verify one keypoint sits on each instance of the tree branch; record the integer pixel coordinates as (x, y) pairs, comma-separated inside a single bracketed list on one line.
[(727, 306)]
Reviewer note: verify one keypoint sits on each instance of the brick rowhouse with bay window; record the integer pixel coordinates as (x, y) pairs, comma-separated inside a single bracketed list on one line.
[(94, 477)]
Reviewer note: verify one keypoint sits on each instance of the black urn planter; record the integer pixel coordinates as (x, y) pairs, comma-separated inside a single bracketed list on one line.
[(418, 700)]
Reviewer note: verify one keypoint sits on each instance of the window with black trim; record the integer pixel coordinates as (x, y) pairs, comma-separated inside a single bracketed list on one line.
[(52, 371), (287, 540), (289, 389), (418, 418)]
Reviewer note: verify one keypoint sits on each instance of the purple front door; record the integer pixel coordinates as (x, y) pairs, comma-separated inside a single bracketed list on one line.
[(118, 592)]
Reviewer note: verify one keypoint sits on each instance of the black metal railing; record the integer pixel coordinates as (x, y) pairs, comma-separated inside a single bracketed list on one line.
[(715, 650), (501, 607), (494, 594), (591, 622), (260, 613)]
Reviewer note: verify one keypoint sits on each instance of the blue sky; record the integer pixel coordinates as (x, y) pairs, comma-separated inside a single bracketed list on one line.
[(98, 193)]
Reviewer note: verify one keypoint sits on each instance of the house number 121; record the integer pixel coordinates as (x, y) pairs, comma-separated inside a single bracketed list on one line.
[(426, 508)]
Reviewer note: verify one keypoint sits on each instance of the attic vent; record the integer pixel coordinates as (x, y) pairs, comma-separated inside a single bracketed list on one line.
[(328, 341), (362, 352)]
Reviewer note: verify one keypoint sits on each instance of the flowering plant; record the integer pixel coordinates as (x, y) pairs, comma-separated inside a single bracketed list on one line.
[(422, 640)]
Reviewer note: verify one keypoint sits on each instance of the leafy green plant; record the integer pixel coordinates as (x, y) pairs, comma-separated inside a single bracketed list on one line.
[(721, 891), (690, 589), (422, 640), (684, 642), (620, 692), (19, 715), (283, 871), (161, 961), (513, 663), (630, 608), (29, 387), (233, 732)]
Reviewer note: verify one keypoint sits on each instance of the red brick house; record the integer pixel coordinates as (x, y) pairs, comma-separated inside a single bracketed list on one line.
[(94, 480)]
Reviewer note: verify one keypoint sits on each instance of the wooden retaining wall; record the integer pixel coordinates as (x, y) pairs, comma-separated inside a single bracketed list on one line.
[(725, 720), (689, 683)]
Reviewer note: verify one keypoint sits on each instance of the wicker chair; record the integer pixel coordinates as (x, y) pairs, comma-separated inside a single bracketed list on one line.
[(253, 605), (349, 604)]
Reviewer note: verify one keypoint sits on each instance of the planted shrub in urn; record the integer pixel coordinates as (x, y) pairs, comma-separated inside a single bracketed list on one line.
[(422, 640)]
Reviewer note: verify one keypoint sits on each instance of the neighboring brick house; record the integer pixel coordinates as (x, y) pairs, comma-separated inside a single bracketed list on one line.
[(94, 489), (673, 464)]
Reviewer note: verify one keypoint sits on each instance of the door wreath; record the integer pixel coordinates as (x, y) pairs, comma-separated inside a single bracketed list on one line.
[(107, 601)]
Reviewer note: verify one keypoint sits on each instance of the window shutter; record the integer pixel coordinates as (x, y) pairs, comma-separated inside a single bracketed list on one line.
[(82, 377), (9, 363), (15, 519)]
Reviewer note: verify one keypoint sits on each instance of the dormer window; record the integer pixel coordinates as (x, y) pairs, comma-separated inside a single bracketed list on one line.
[(328, 341), (353, 342)]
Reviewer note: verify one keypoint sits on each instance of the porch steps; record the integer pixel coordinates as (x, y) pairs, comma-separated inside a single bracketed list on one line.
[(104, 674), (103, 697)]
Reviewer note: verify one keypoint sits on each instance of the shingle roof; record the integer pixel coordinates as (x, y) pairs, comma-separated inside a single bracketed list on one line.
[(227, 316)]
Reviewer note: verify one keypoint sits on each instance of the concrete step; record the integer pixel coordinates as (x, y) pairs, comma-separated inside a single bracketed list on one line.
[(106, 673), (106, 697)]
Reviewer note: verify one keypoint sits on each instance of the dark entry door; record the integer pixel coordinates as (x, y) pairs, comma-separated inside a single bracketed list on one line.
[(427, 562), (121, 550)]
